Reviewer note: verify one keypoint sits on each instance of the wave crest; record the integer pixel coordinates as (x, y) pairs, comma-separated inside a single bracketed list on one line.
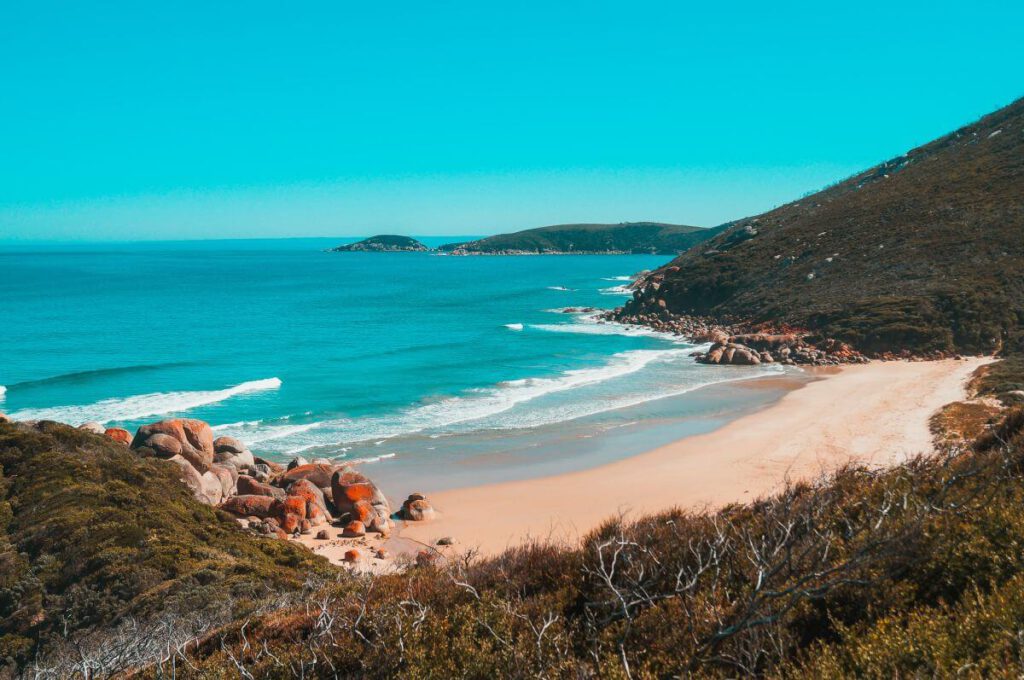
[(143, 405)]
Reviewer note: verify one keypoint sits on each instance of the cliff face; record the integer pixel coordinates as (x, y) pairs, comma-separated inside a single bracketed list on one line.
[(383, 243), (628, 237), (923, 252)]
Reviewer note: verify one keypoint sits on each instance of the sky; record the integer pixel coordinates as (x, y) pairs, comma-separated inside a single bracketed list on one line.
[(140, 121)]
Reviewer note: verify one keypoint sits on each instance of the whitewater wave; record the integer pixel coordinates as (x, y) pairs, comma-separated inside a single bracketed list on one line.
[(3, 392), (562, 288), (143, 405), (583, 409), (514, 326), (589, 325), (617, 290), (474, 406), (617, 278), (373, 459)]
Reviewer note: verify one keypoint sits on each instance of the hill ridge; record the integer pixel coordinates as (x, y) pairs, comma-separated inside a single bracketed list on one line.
[(921, 252)]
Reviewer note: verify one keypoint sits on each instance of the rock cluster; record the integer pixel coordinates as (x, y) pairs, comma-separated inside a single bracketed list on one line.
[(208, 468), (787, 348), (273, 499), (734, 344), (692, 327)]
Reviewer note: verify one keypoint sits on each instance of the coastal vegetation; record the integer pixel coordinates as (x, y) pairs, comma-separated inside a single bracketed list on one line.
[(906, 571), (94, 537), (628, 237)]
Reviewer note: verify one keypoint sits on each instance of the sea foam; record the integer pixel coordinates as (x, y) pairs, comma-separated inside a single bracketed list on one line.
[(143, 405), (617, 290), (473, 406)]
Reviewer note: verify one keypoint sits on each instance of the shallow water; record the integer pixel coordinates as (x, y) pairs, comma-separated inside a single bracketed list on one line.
[(416, 363)]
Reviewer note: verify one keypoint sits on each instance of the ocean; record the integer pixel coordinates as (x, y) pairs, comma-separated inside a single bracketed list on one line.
[(429, 369)]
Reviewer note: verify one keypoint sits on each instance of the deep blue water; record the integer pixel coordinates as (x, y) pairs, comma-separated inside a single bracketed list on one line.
[(352, 355)]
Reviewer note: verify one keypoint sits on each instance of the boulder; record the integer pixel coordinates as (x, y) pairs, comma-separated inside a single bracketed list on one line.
[(119, 434), (305, 528), (417, 510), (4, 418), (163, 445), (193, 480), (349, 487), (228, 445), (319, 474), (93, 427), (227, 476), (361, 511), (745, 357), (246, 505), (250, 486), (316, 503), (353, 555), (714, 355), (322, 535), (380, 523), (260, 472), (271, 465), (195, 439), (290, 512), (354, 529), (212, 488)]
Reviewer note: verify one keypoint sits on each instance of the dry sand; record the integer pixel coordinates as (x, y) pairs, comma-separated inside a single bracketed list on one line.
[(875, 414)]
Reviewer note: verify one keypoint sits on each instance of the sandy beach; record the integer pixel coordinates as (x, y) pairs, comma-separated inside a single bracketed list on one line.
[(875, 414)]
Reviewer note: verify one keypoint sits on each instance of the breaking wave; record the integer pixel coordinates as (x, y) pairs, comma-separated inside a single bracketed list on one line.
[(143, 405)]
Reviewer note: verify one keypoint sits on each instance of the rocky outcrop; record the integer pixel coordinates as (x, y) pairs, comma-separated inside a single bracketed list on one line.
[(751, 349), (359, 498), (230, 451), (250, 486), (93, 427), (191, 439), (318, 473)]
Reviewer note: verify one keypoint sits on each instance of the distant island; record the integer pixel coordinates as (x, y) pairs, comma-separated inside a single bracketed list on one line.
[(654, 238), (383, 243)]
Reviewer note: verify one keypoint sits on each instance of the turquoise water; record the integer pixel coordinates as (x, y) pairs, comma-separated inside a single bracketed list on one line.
[(409, 361)]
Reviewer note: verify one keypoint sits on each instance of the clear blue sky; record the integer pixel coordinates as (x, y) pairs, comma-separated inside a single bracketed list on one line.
[(189, 120)]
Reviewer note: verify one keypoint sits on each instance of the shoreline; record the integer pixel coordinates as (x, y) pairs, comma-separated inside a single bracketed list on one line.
[(875, 414)]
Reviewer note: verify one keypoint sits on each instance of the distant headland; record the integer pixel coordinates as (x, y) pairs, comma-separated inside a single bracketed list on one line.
[(625, 238), (383, 243)]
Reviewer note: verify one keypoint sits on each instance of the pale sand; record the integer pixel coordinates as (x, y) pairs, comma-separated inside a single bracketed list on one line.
[(875, 414)]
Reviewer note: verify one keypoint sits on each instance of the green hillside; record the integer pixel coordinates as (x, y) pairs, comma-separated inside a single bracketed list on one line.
[(628, 237), (923, 252), (94, 538)]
